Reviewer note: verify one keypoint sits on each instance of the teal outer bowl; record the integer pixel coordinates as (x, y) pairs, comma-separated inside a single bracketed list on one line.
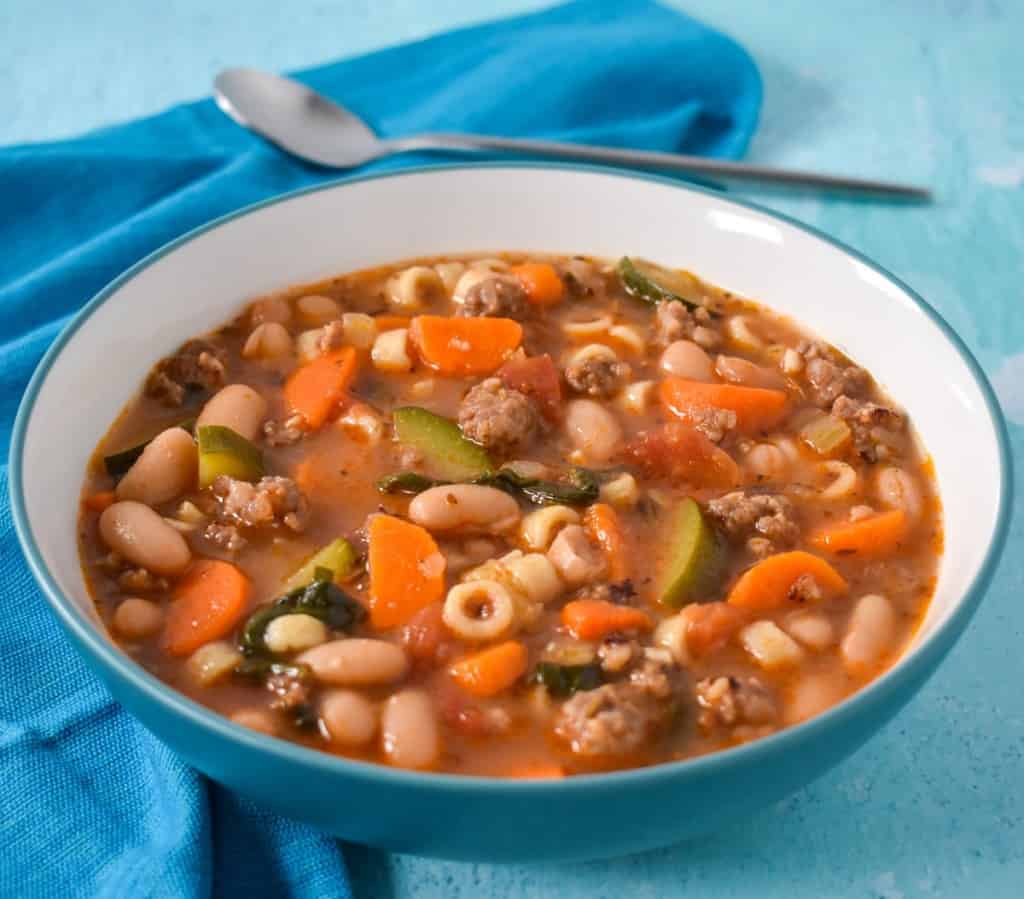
[(485, 818)]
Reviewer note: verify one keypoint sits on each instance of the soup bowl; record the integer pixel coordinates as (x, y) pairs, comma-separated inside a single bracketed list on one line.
[(202, 279)]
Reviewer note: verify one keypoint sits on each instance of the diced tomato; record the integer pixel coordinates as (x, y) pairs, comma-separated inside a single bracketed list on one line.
[(424, 636), (681, 453), (537, 377)]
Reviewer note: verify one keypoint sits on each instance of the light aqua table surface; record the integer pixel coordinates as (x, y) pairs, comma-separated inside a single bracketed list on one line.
[(924, 91)]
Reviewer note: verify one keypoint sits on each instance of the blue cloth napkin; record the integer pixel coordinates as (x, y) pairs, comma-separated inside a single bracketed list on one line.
[(91, 804)]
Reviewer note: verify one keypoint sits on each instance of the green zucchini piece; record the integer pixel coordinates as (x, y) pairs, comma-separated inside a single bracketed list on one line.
[(337, 557), (223, 451), (564, 680), (117, 464), (447, 452), (653, 285), (696, 560)]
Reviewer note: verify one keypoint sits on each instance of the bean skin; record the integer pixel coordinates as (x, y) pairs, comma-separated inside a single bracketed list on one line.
[(409, 731), (356, 662), (237, 407), (593, 430), (136, 532), (166, 469), (348, 717), (466, 507)]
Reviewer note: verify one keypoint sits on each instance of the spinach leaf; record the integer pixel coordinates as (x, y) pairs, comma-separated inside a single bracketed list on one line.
[(564, 680)]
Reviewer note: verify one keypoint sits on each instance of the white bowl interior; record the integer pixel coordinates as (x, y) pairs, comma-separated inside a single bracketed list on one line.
[(205, 280)]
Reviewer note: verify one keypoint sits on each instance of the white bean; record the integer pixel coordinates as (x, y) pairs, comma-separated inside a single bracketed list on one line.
[(166, 469), (898, 489), (766, 462), (409, 731), (137, 618), (271, 309), (348, 717), (811, 629), (237, 407), (479, 610), (575, 558), (869, 633), (317, 310), (593, 430), (294, 633), (812, 694), (685, 359), (136, 532), (356, 662), (465, 507), (270, 340), (742, 371)]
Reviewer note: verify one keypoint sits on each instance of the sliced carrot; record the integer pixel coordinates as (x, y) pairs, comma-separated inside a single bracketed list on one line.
[(465, 346), (681, 453), (406, 570), (391, 322), (879, 535), (756, 408), (534, 771), (710, 625), (205, 606), (541, 282), (491, 670), (99, 502), (602, 525), (316, 389), (767, 585), (594, 619)]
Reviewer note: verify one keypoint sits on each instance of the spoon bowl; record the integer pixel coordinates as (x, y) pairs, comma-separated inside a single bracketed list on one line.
[(297, 118)]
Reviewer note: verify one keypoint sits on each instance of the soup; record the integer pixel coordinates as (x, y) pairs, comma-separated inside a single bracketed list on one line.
[(522, 516)]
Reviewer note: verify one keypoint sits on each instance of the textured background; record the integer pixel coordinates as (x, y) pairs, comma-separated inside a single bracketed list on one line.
[(929, 91)]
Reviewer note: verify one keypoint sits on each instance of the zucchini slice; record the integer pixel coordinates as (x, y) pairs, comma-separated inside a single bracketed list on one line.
[(654, 285), (696, 560), (223, 451), (445, 449)]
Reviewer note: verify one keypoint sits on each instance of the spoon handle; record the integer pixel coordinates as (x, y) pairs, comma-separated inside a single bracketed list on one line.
[(677, 162)]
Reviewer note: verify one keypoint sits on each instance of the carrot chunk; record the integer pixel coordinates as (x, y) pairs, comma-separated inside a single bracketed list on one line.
[(879, 535), (465, 346), (316, 389), (594, 619), (491, 670), (406, 570), (602, 525), (541, 282), (205, 606), (756, 408), (767, 585), (710, 625)]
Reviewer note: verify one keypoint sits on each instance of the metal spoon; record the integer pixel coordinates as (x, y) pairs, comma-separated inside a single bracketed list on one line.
[(309, 125)]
